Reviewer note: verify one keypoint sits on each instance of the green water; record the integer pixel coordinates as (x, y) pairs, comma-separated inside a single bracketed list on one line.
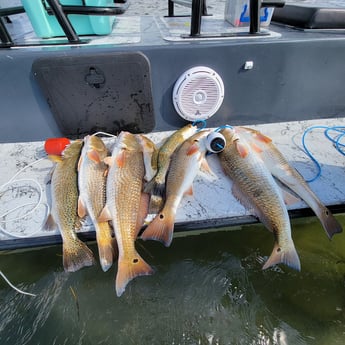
[(207, 289)]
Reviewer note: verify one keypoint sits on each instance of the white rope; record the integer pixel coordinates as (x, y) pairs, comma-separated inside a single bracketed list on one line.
[(105, 134), (15, 288), (37, 204)]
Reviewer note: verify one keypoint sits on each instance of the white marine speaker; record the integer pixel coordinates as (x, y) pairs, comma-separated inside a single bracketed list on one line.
[(198, 93)]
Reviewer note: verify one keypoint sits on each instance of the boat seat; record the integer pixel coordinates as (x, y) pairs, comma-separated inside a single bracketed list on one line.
[(311, 15), (186, 3)]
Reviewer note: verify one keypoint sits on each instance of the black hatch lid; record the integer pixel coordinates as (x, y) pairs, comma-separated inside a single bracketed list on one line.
[(102, 92)]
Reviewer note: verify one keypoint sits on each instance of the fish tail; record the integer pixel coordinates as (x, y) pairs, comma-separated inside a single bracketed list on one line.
[(156, 189), (160, 229), (105, 245), (156, 204), (130, 269), (287, 256), (329, 223), (76, 256)]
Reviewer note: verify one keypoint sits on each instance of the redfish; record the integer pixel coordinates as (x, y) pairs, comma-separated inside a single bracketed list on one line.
[(289, 176), (64, 190), (184, 166), (92, 177), (256, 189), (156, 187), (124, 205)]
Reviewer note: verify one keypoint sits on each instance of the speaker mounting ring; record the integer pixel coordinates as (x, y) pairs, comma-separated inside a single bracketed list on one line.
[(198, 93)]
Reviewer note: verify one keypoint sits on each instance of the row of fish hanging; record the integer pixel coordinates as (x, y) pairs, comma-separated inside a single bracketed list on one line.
[(118, 191)]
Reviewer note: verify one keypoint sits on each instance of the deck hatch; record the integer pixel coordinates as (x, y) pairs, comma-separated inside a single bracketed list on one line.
[(107, 92)]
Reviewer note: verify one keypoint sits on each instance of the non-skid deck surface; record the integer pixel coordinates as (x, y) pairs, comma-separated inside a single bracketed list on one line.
[(211, 203), (173, 28)]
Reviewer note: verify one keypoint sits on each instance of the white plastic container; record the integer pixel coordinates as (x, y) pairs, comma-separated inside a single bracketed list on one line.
[(237, 13)]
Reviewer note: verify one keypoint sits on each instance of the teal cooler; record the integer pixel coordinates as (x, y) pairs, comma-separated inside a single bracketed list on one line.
[(47, 26)]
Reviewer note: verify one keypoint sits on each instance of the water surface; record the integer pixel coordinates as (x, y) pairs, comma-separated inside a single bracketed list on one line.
[(207, 289)]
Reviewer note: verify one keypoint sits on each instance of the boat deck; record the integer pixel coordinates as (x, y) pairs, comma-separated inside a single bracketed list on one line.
[(211, 206), (295, 81)]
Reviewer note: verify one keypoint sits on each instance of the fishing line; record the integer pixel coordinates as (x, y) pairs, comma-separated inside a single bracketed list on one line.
[(105, 134), (15, 288), (335, 140), (37, 204)]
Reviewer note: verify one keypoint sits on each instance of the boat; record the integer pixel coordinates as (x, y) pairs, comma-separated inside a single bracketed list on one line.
[(273, 66)]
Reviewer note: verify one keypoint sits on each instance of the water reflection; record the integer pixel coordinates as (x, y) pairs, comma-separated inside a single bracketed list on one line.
[(207, 289)]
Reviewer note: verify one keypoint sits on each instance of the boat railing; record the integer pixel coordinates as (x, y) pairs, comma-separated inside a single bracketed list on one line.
[(5, 37), (254, 18), (187, 3)]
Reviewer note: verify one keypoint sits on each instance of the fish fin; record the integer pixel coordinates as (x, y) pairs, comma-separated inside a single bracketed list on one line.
[(76, 255), (263, 138), (160, 229), (149, 186), (105, 245), (242, 149), (205, 167), (143, 211), (94, 156), (256, 148), (242, 199), (55, 158), (81, 208), (193, 149), (108, 160), (286, 256), (50, 224), (155, 188), (115, 248), (105, 215), (130, 269), (329, 222), (120, 159), (79, 163), (78, 224), (289, 198), (189, 191)]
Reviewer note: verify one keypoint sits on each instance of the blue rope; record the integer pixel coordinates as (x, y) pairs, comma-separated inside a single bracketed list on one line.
[(203, 122), (222, 127), (335, 140)]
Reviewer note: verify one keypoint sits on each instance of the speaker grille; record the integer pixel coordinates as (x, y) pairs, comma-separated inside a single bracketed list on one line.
[(198, 93)]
